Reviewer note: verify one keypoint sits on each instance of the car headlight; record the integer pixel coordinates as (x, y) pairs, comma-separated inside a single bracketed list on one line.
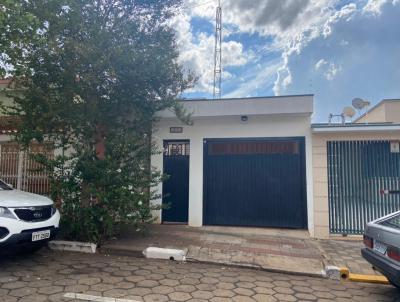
[(6, 213), (53, 209)]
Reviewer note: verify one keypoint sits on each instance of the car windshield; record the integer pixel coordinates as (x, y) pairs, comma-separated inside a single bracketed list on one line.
[(393, 222), (4, 186)]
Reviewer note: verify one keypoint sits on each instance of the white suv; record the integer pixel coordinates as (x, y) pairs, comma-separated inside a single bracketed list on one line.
[(27, 221)]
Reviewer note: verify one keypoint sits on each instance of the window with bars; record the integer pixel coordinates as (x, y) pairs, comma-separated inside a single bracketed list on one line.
[(176, 148)]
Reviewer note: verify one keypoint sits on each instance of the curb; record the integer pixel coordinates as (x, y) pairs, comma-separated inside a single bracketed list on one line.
[(121, 252), (139, 254), (73, 246), (259, 268)]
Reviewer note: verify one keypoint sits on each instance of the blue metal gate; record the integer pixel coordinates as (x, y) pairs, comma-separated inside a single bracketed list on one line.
[(255, 182), (363, 177), (176, 186)]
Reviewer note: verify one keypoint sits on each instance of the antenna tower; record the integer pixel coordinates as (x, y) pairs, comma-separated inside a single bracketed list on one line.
[(218, 52)]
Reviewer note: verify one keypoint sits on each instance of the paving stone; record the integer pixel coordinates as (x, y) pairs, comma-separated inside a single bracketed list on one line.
[(35, 298), (65, 282), (243, 299), (220, 299), (194, 275), (49, 290), (325, 295), (225, 285), (139, 291), (264, 298), (246, 279), (122, 273), (179, 296), (223, 293), (191, 281), (102, 287), (89, 281), (155, 277), (201, 294), (208, 287), (169, 281), (124, 285), (8, 279), (135, 278), (304, 296), (263, 290), (14, 285), (209, 280), (285, 297), (40, 283), (283, 290), (9, 299), (155, 298), (162, 289), (185, 288), (148, 283), (22, 292), (302, 289), (115, 293), (246, 284), (244, 291)]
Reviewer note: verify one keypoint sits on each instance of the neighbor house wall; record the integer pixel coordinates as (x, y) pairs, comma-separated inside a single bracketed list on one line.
[(320, 171), (393, 111), (376, 115), (285, 125)]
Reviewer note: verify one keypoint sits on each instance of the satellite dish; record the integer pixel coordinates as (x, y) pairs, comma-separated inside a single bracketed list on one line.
[(348, 111), (359, 103)]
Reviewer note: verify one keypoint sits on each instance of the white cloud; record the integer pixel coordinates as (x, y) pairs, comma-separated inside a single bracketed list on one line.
[(298, 31), (329, 70), (375, 6), (320, 64), (197, 53), (320, 27), (255, 80), (332, 71), (368, 66)]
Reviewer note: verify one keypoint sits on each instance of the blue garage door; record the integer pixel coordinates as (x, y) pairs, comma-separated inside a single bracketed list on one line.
[(255, 182)]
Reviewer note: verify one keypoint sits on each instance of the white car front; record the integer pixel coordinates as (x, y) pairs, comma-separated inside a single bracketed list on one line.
[(27, 221)]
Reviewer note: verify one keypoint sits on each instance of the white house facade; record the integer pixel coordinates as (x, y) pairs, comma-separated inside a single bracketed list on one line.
[(243, 162)]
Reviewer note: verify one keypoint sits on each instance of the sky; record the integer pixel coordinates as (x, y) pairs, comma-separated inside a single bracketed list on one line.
[(336, 50)]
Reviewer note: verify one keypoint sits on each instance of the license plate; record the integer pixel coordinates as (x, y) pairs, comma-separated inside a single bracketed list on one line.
[(41, 235), (380, 247)]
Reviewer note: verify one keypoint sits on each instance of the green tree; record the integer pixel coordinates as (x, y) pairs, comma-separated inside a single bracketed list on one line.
[(91, 82)]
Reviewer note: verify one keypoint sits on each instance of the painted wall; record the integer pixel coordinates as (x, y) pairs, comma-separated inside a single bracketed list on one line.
[(387, 111), (320, 171), (393, 111), (280, 125)]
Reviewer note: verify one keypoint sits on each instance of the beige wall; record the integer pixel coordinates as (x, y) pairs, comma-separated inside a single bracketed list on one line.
[(386, 111), (320, 172), (393, 111), (376, 115)]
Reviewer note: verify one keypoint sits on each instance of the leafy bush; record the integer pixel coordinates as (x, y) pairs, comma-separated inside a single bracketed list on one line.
[(91, 81)]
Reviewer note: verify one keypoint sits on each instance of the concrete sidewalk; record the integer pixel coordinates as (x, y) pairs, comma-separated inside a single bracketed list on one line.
[(291, 251)]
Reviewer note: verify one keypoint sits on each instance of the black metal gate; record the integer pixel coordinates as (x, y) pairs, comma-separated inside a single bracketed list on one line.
[(363, 178), (255, 182), (176, 186)]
